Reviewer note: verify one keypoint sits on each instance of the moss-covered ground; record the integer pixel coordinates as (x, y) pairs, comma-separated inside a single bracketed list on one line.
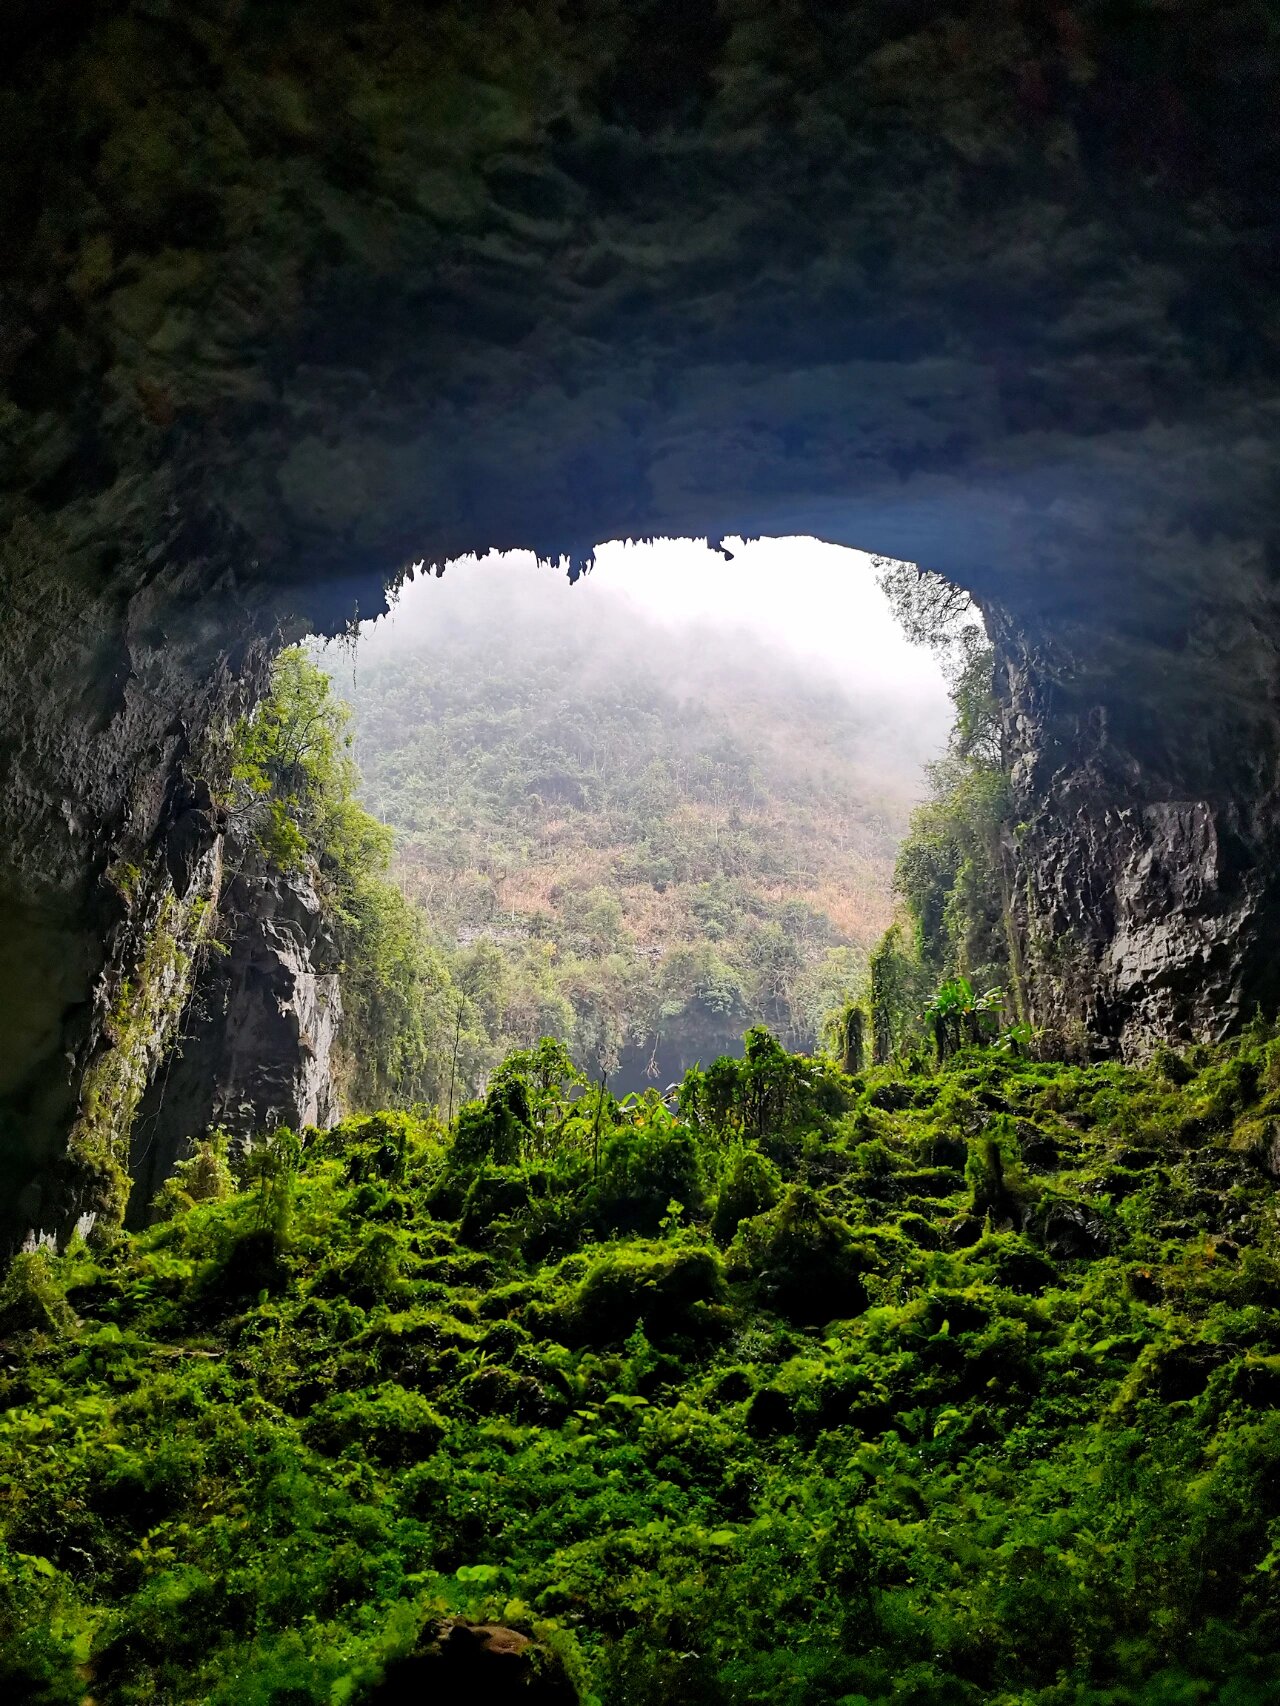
[(936, 1388)]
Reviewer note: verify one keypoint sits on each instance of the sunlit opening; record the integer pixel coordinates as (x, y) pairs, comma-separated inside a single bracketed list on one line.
[(650, 809)]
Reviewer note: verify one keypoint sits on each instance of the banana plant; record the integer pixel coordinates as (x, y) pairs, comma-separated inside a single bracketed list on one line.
[(956, 1016)]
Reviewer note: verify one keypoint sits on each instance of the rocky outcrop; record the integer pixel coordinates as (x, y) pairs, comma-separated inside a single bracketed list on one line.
[(476, 1664), (1148, 838), (255, 1048), (156, 917), (292, 297)]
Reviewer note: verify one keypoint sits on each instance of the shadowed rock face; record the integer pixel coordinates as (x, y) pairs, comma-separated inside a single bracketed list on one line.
[(292, 296), (254, 1047)]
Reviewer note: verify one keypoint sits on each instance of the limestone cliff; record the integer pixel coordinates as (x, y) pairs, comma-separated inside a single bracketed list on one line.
[(255, 1048), (157, 915)]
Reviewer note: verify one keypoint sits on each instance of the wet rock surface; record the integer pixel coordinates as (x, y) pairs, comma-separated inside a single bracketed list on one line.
[(256, 1047), (292, 298)]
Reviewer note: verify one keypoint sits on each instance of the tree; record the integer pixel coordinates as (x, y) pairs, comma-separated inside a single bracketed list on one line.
[(956, 1016), (849, 1037), (954, 871), (551, 1084), (931, 610), (294, 797), (897, 984), (293, 779)]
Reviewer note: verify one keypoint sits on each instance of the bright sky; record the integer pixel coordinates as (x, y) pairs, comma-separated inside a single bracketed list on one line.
[(813, 601)]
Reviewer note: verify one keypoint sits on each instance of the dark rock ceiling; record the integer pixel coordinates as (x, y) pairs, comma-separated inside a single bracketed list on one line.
[(292, 294)]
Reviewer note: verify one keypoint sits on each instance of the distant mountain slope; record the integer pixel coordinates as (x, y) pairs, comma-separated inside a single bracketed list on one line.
[(640, 839)]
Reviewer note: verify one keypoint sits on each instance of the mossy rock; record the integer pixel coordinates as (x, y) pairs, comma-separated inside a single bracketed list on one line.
[(893, 1097), (935, 1184), (31, 1301), (1040, 1150), (1172, 1067), (475, 1664), (920, 1231), (1069, 1230), (672, 1290), (770, 1412), (1259, 1139), (393, 1424), (944, 1149), (1256, 1383), (373, 1273), (251, 1265), (1013, 1263), (803, 1262), (734, 1386)]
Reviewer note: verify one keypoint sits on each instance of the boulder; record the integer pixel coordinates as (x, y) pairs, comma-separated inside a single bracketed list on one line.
[(476, 1664)]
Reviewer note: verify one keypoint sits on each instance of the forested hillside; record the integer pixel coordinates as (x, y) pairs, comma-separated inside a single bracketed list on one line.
[(639, 839)]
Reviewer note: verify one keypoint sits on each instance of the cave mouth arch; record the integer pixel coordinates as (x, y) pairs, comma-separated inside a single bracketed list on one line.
[(985, 289), (659, 739), (640, 812)]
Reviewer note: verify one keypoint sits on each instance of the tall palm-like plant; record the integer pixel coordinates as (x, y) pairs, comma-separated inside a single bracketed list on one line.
[(956, 1016)]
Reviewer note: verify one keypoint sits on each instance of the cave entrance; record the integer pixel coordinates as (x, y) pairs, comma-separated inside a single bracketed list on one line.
[(650, 808)]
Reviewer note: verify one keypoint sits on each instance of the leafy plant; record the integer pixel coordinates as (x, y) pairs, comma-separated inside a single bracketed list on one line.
[(954, 1384), (956, 1016), (204, 1176)]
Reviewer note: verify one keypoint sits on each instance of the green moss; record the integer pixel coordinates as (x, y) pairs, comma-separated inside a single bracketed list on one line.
[(32, 1299), (142, 1016), (882, 1449)]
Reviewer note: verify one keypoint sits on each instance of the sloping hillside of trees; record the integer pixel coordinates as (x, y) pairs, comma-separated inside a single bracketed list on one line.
[(639, 839)]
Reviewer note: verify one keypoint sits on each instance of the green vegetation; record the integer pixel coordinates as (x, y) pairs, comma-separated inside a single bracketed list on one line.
[(638, 840), (294, 786), (955, 961), (947, 1382), (951, 869), (958, 1387)]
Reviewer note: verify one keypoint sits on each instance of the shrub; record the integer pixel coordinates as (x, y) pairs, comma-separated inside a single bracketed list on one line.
[(262, 1504), (496, 1129), (643, 1169), (250, 1264), (749, 1185), (31, 1298), (393, 1424), (804, 1262), (667, 1288), (205, 1176)]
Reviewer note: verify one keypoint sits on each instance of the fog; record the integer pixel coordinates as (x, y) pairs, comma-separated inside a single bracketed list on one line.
[(808, 608), (672, 792)]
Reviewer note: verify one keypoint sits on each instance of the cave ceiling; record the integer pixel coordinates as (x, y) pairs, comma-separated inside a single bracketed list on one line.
[(292, 295), (363, 283)]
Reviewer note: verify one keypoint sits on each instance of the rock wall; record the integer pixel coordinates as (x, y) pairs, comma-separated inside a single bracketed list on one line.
[(1148, 837), (291, 297), (156, 917), (256, 1044)]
